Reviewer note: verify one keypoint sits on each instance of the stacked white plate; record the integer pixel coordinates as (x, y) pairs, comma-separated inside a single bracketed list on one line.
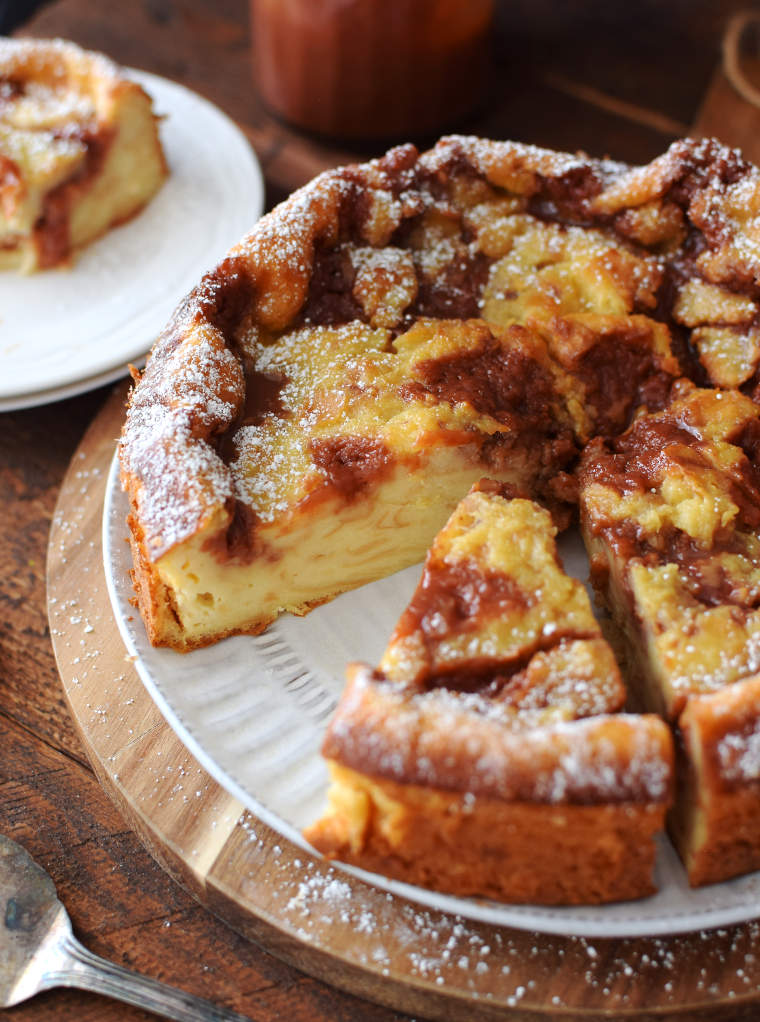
[(66, 331)]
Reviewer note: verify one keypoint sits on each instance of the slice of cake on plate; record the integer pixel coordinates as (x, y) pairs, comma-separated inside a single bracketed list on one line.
[(486, 755), (670, 512), (79, 150)]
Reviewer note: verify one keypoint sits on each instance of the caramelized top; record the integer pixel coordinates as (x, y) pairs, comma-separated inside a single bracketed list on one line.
[(464, 743), (682, 484), (495, 613)]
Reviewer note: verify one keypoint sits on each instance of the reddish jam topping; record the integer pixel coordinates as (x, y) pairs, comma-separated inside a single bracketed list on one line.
[(508, 385), (351, 463), (620, 375), (456, 598)]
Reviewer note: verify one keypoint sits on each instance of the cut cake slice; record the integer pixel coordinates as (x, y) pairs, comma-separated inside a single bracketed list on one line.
[(670, 513), (79, 150), (486, 754)]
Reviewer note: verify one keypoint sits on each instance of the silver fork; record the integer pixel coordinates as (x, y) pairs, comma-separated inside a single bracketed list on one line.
[(38, 950)]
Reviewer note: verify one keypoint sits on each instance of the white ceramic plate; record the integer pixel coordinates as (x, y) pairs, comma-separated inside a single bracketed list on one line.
[(64, 331), (252, 710), (69, 389)]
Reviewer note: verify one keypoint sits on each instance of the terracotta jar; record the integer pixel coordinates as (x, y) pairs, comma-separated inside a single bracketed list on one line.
[(371, 69)]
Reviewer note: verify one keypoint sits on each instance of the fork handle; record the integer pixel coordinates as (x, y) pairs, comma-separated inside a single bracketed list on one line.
[(87, 971)]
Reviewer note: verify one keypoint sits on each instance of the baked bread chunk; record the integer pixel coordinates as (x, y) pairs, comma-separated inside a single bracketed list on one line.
[(670, 513), (485, 755), (79, 150), (395, 331)]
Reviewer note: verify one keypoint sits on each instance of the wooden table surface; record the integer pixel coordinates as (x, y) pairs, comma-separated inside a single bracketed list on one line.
[(609, 78)]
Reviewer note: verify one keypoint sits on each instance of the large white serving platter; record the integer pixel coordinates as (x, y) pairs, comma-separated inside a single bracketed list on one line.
[(253, 709), (67, 330)]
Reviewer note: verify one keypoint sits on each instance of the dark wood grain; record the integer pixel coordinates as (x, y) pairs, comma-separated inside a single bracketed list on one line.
[(611, 78), (32, 455)]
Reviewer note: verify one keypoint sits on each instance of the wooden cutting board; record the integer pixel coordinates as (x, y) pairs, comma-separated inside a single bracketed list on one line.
[(319, 919)]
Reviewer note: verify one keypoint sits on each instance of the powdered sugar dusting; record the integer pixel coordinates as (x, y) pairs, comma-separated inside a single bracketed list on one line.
[(462, 742), (395, 939), (739, 755), (181, 476), (269, 273), (489, 156), (51, 57), (674, 909), (548, 761)]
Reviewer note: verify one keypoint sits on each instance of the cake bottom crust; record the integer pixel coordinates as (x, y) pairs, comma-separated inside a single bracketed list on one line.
[(715, 821), (514, 852)]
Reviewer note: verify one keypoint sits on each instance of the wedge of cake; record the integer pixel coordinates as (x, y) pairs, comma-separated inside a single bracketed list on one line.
[(79, 150), (670, 513), (486, 754)]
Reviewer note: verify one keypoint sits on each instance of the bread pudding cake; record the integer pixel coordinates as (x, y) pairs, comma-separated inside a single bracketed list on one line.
[(79, 150), (485, 755), (396, 331), (670, 513)]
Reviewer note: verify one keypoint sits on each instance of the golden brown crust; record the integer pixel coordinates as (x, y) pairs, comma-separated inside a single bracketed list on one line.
[(718, 827), (510, 851), (484, 307), (670, 514), (459, 741), (491, 722), (48, 61), (495, 612), (264, 283), (444, 235)]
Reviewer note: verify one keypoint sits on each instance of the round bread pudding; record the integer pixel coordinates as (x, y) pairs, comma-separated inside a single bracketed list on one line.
[(399, 331)]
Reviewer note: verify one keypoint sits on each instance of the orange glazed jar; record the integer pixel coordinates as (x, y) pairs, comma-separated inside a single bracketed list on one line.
[(371, 69)]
